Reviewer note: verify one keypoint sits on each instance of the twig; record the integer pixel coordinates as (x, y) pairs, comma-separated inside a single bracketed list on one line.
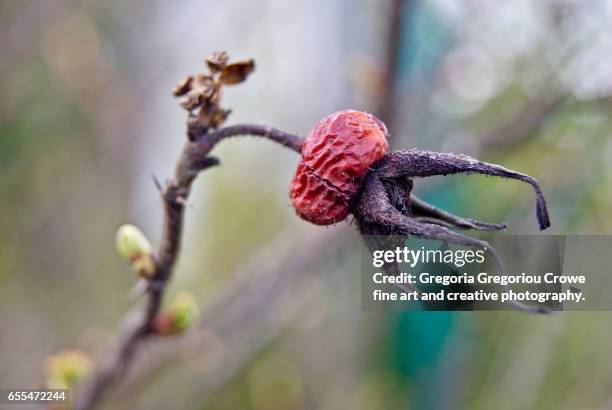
[(397, 12), (192, 161), (206, 141)]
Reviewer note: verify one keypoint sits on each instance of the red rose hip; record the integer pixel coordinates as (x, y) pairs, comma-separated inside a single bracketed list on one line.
[(336, 155)]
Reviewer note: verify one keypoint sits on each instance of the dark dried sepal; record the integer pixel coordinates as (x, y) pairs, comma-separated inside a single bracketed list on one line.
[(421, 163), (426, 212), (385, 206)]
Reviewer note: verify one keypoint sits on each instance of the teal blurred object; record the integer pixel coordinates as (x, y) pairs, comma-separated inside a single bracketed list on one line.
[(425, 38), (420, 337)]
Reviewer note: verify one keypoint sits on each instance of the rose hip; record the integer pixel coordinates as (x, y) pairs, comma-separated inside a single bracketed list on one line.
[(336, 155)]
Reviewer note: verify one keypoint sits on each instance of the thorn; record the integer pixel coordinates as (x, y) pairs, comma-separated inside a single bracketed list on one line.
[(158, 184), (206, 162)]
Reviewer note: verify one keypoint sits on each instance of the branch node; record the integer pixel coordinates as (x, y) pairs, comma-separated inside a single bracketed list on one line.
[(175, 195)]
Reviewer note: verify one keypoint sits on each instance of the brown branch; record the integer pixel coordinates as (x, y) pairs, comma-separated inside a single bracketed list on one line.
[(396, 16), (192, 161), (206, 141)]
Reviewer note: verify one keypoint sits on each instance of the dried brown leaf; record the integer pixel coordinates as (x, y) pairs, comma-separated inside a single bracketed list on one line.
[(237, 72), (183, 86), (204, 84), (201, 89), (192, 100)]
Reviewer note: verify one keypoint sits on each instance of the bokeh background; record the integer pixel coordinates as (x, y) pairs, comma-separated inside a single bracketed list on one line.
[(86, 117)]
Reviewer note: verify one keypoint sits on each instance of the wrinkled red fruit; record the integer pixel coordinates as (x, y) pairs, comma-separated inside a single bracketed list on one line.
[(336, 155)]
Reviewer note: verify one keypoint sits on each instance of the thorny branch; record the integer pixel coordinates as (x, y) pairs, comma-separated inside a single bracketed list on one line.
[(193, 160), (384, 207), (201, 92)]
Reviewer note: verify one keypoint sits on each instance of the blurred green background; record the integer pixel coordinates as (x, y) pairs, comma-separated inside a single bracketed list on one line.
[(86, 117)]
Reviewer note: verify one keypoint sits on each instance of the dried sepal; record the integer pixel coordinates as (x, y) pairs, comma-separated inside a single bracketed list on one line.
[(183, 86), (211, 115), (203, 92), (420, 163), (201, 89), (385, 206), (191, 101), (237, 72), (217, 61)]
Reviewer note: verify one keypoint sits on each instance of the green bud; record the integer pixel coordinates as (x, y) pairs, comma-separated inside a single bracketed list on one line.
[(67, 368), (134, 246), (184, 311), (131, 242)]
